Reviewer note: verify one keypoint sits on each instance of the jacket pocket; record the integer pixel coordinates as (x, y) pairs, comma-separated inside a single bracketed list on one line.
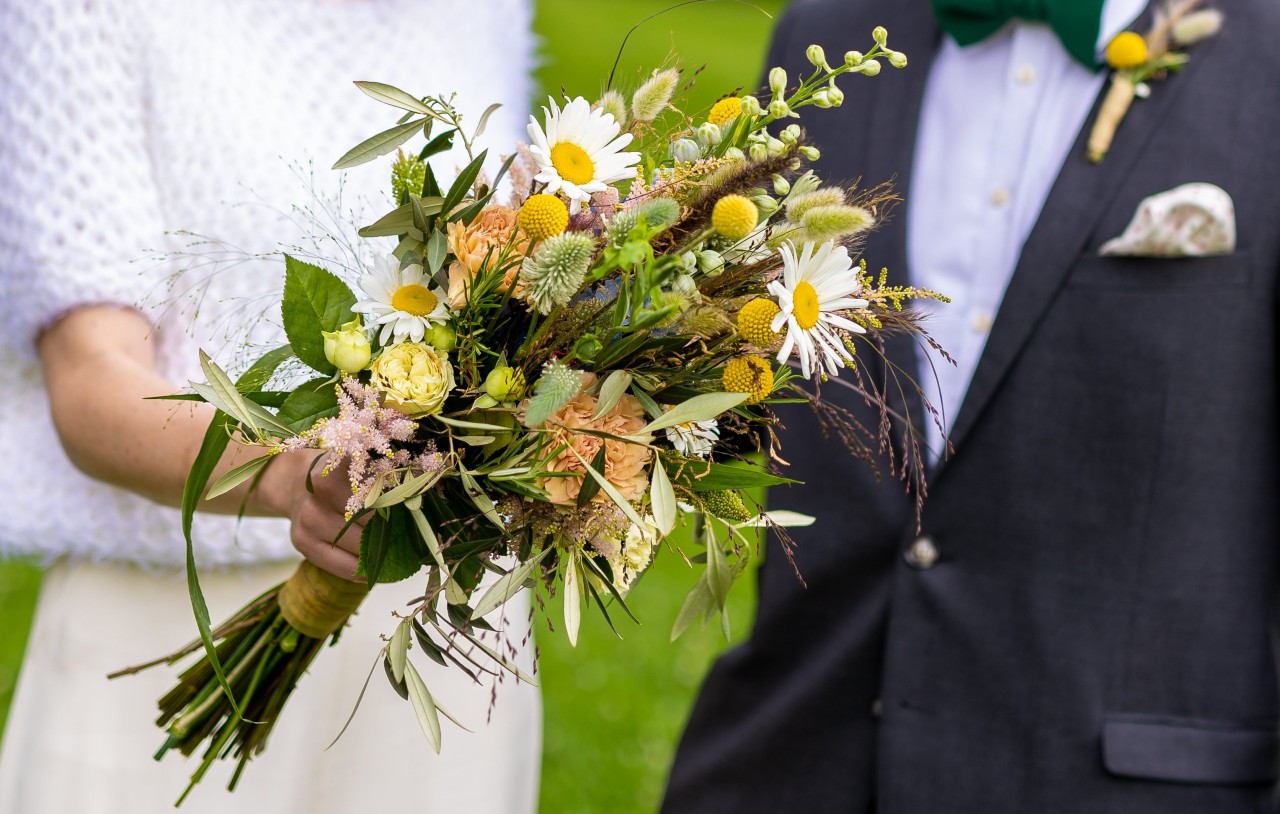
[(1155, 274), (1187, 750)]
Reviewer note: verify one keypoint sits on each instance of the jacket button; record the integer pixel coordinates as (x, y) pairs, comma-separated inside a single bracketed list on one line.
[(922, 554)]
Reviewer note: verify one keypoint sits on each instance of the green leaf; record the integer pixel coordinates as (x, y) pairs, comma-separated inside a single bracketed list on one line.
[(379, 145), (237, 476), (699, 408), (388, 548), (401, 688), (215, 442), (480, 498), (662, 500), (484, 120), (437, 251), (315, 300), (261, 371), (463, 182), (700, 476), (609, 489), (429, 647), (412, 486), (429, 536), (223, 394), (423, 706), (611, 391), (398, 650), (572, 599), (508, 585), (396, 222), (438, 144), (590, 487), (697, 605), (308, 404), (391, 95), (719, 575)]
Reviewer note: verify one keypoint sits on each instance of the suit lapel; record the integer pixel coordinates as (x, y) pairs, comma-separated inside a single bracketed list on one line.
[(1079, 198)]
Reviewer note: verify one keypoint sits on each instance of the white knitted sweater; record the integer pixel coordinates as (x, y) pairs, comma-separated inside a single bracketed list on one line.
[(123, 122)]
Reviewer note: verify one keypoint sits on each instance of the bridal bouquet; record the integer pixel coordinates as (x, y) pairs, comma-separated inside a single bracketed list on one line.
[(537, 390)]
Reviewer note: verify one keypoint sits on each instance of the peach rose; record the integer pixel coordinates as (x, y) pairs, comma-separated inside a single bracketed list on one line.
[(625, 464), (486, 236)]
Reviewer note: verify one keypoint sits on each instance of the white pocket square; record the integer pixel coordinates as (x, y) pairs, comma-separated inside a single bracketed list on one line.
[(1193, 220)]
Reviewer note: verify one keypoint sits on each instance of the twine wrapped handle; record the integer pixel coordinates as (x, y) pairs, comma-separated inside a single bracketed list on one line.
[(316, 603)]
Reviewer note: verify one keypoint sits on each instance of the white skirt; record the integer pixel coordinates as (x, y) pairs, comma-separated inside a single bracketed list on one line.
[(77, 743)]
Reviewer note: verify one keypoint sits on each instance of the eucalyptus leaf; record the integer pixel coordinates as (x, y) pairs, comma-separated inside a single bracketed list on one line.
[(699, 408), (261, 371), (783, 518), (401, 688), (379, 145), (611, 391), (480, 498), (394, 223), (398, 650), (428, 536), (423, 706), (391, 95), (439, 144), (412, 486), (508, 585)]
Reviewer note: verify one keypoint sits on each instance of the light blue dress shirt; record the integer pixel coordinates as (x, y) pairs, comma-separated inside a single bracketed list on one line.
[(998, 120)]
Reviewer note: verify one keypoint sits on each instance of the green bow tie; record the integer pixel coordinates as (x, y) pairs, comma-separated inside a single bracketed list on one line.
[(1076, 22)]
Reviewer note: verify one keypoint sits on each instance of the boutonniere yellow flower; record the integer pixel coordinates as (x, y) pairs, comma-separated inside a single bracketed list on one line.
[(1137, 60)]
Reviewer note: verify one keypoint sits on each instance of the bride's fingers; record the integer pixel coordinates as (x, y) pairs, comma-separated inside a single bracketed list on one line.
[(324, 554)]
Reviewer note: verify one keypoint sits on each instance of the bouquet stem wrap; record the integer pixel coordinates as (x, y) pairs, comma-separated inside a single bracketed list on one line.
[(316, 603)]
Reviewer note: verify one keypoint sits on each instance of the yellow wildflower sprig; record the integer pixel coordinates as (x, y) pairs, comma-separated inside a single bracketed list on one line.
[(1137, 59)]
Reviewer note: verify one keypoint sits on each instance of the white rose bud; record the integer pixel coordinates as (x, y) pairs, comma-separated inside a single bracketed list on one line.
[(781, 186), (897, 59), (778, 81), (779, 109), (751, 106), (505, 384), (816, 56), (347, 348), (734, 154), (709, 134), (710, 263), (852, 59), (1197, 26), (880, 35), (686, 150), (810, 153)]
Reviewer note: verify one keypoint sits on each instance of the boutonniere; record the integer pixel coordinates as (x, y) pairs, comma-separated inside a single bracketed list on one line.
[(1137, 60)]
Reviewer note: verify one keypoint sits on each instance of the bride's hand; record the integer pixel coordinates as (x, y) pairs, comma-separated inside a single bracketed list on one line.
[(317, 516)]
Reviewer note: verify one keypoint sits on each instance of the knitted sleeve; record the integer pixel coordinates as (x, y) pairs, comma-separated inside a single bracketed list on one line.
[(78, 201)]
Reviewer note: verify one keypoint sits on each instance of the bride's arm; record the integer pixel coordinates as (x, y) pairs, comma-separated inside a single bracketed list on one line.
[(99, 368)]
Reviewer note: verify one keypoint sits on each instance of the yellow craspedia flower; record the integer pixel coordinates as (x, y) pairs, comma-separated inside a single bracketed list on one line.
[(734, 216), (725, 110), (543, 216), (755, 322), (748, 374), (1127, 50)]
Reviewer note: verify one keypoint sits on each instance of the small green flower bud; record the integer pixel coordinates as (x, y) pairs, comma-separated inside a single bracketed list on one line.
[(734, 154), (810, 153), (765, 204), (775, 146), (816, 56), (442, 337), (758, 152), (587, 347), (347, 348), (751, 106), (852, 58), (686, 150), (870, 68), (710, 263), (790, 134), (835, 95), (778, 81), (613, 104), (709, 134), (880, 35), (505, 384), (689, 262), (781, 186), (779, 109), (822, 99), (897, 59)]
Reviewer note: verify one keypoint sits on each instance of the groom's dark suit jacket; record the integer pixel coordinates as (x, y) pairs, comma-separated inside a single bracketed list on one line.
[(1097, 634)]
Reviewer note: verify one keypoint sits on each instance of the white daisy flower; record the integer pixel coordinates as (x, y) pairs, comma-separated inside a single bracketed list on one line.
[(579, 153), (694, 437), (401, 300), (814, 286)]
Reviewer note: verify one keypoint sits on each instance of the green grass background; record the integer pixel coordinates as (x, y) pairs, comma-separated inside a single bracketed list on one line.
[(613, 709)]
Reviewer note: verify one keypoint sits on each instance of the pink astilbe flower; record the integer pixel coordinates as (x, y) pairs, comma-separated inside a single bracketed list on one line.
[(363, 434)]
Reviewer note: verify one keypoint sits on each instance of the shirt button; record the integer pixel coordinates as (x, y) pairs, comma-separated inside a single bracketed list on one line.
[(981, 322), (1000, 196), (923, 554), (1025, 75)]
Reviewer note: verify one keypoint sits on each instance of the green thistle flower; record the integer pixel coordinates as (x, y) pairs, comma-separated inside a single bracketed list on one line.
[(558, 385), (726, 505), (555, 271), (408, 174)]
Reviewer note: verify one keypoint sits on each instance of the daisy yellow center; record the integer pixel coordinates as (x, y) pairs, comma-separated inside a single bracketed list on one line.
[(414, 299), (573, 163), (804, 305)]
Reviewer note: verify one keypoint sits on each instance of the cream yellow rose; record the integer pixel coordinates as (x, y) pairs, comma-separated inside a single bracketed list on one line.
[(415, 378)]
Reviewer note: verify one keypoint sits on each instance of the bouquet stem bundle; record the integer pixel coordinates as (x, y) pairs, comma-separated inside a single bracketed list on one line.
[(264, 649)]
